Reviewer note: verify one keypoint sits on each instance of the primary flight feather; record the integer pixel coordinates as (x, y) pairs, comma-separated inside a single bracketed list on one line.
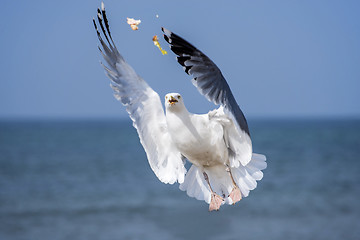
[(224, 169)]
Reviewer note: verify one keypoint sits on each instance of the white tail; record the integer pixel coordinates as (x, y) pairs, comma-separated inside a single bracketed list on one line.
[(244, 176)]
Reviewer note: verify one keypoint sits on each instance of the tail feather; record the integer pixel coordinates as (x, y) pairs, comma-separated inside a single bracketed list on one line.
[(258, 161), (220, 180), (246, 178), (254, 167), (195, 185), (255, 173)]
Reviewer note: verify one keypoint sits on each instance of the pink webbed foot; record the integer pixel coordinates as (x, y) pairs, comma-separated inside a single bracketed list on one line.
[(235, 195), (215, 202)]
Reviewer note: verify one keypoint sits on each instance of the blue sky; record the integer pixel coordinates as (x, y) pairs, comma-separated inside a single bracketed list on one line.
[(281, 58)]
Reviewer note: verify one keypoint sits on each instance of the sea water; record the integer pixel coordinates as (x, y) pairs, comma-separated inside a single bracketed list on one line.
[(91, 180)]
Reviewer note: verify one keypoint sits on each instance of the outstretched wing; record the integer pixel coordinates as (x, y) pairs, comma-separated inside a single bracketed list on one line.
[(144, 107), (210, 82)]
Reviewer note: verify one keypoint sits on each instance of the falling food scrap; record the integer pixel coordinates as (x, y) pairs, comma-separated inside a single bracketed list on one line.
[(133, 23), (157, 15), (156, 43)]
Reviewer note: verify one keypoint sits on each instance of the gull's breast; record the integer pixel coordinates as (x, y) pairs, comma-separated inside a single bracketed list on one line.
[(199, 140)]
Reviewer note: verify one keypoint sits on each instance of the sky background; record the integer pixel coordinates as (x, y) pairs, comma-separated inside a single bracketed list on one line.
[(280, 58)]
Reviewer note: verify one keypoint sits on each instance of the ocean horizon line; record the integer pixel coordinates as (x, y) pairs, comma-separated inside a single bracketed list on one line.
[(127, 119)]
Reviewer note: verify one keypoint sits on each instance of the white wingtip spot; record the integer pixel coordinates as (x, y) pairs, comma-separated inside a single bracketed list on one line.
[(167, 32), (102, 6)]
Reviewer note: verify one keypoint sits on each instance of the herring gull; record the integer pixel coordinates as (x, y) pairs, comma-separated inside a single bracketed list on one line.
[(217, 144)]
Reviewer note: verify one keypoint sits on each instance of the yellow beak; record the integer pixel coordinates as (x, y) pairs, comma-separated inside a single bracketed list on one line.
[(172, 100)]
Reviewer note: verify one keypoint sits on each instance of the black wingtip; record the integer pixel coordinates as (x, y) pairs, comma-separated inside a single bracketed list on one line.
[(97, 30), (167, 35), (99, 13), (106, 20), (94, 24), (165, 31), (167, 39), (183, 59), (102, 17), (187, 69)]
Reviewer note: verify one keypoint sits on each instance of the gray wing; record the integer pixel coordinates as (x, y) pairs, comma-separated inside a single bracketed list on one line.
[(207, 77), (144, 107)]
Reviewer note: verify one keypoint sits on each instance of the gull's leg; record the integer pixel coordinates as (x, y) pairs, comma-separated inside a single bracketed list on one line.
[(216, 200), (235, 194)]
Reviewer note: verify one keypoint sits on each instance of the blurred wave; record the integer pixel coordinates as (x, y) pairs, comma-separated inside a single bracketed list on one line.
[(91, 180)]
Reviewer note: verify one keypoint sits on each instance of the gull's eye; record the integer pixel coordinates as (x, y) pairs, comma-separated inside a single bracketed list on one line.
[(178, 96), (166, 97)]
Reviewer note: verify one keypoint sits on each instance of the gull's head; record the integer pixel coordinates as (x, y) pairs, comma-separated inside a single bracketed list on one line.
[(173, 101)]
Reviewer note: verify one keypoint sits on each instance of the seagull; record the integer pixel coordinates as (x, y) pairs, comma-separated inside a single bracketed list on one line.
[(217, 144)]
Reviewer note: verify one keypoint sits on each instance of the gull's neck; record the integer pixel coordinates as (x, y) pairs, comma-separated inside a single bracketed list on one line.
[(180, 111)]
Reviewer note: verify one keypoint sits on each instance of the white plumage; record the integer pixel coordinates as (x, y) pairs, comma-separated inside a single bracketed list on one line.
[(218, 144)]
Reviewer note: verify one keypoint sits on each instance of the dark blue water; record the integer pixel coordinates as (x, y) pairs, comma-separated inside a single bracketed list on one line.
[(91, 180)]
